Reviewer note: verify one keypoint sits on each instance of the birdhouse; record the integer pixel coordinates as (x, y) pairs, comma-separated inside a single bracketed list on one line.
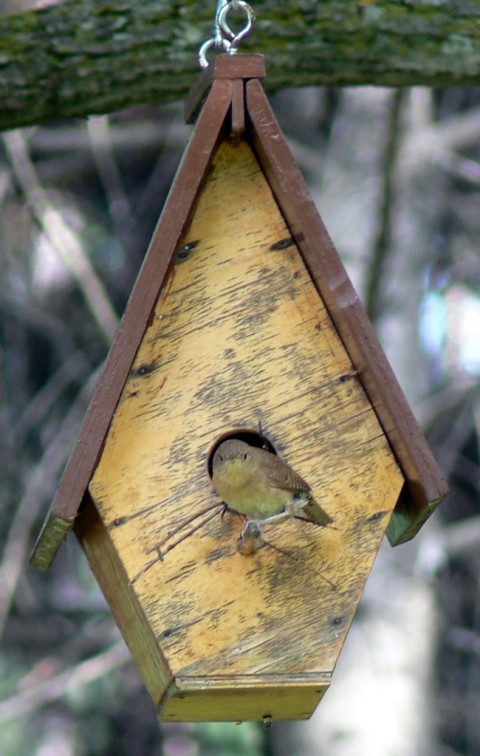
[(243, 325)]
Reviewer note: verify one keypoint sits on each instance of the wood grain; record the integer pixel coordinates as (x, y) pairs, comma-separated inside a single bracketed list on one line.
[(239, 336)]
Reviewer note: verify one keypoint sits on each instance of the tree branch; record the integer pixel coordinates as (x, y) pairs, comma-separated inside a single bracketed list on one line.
[(89, 56)]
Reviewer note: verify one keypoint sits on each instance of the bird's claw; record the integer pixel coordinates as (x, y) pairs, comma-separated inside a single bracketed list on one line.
[(251, 538)]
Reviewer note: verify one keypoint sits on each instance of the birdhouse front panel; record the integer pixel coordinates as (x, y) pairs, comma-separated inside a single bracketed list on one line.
[(239, 340)]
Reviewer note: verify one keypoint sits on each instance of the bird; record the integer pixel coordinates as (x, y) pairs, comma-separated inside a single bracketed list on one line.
[(259, 485)]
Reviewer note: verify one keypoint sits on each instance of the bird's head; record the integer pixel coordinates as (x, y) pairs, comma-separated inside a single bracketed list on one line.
[(233, 458)]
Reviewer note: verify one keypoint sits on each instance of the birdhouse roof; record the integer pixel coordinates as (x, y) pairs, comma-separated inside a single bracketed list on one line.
[(231, 99)]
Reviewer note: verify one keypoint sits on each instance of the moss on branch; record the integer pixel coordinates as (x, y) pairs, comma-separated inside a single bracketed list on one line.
[(88, 56)]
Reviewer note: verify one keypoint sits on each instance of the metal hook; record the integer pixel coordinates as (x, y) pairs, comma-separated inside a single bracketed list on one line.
[(222, 6), (202, 53), (236, 37), (223, 36)]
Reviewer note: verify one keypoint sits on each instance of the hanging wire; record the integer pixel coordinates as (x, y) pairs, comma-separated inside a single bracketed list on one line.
[(224, 38)]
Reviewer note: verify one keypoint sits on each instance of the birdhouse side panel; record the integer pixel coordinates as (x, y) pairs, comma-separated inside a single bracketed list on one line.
[(129, 615)]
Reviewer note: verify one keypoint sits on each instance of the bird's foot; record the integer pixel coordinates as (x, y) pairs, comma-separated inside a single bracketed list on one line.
[(251, 538)]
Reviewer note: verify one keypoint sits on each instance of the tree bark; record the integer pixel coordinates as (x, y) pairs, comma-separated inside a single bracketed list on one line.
[(89, 56)]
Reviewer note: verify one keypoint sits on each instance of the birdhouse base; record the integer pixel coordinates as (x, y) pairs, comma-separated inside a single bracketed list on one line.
[(242, 699), (234, 698)]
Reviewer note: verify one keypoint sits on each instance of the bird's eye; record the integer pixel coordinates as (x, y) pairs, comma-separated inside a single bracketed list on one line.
[(221, 457), (246, 455)]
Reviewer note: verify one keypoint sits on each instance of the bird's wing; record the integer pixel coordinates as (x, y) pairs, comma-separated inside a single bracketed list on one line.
[(281, 475)]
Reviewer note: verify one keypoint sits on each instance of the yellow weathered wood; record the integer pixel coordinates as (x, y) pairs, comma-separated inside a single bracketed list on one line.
[(246, 698), (110, 573), (239, 337)]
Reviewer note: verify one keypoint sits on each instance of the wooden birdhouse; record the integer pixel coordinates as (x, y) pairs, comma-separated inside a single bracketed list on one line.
[(242, 324)]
